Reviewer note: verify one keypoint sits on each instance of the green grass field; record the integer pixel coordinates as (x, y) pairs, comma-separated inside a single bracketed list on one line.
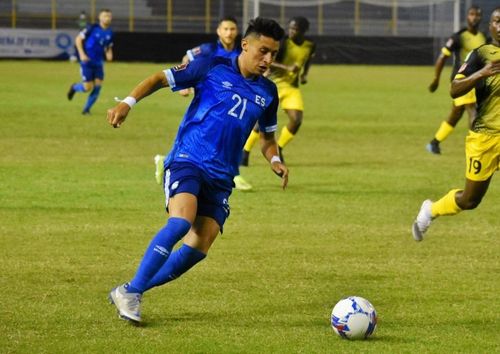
[(79, 204)]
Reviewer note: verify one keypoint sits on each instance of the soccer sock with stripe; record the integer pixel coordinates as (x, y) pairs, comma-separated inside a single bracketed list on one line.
[(157, 253), (446, 205), (445, 129), (252, 139), (285, 137), (94, 94), (179, 262)]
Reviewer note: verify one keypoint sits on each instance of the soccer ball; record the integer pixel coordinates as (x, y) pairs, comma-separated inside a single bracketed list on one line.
[(354, 318)]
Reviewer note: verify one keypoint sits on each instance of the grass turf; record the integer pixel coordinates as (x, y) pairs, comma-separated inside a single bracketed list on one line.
[(79, 205)]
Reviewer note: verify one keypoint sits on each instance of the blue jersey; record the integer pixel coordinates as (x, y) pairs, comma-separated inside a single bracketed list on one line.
[(214, 49), (96, 41), (221, 115)]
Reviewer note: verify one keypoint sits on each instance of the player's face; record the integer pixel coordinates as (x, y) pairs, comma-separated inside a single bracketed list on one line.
[(227, 32), (474, 18), (105, 19), (258, 53), (294, 30), (495, 26)]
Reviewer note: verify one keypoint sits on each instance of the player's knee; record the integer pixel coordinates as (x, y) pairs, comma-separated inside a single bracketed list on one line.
[(469, 203), (178, 226)]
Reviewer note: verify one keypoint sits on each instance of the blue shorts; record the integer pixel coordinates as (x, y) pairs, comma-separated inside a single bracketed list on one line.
[(212, 195), (91, 71)]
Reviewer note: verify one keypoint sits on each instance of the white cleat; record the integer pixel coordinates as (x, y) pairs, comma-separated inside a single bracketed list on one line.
[(423, 220), (159, 169), (127, 304), (240, 184)]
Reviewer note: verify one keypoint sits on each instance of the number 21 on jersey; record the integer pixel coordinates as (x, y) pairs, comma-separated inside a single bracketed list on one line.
[(238, 102)]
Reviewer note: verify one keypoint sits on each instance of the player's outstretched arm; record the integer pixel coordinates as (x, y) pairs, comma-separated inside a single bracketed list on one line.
[(289, 68), (437, 72), (118, 114), (461, 86), (269, 149)]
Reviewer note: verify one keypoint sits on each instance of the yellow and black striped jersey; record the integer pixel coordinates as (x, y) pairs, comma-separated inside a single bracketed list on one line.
[(487, 90), (460, 44), (292, 53)]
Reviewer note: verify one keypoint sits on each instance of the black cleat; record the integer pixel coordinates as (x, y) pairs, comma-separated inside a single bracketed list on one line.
[(244, 158), (71, 92), (280, 151), (86, 112), (433, 147)]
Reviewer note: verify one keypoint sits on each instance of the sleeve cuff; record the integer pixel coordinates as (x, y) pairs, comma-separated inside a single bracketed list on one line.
[(271, 128), (170, 78), (445, 51)]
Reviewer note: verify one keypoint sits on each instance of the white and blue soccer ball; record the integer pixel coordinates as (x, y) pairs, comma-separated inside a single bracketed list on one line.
[(354, 318)]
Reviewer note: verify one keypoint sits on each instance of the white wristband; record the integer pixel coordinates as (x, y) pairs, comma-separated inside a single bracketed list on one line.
[(275, 158), (130, 101)]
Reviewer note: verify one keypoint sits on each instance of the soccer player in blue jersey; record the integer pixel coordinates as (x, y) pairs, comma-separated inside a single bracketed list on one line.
[(231, 95), (94, 44), (226, 47)]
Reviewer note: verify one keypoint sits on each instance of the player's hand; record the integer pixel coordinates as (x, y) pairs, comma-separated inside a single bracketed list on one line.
[(490, 69), (117, 115), (84, 58), (281, 170), (293, 68), (185, 92), (303, 79), (434, 85)]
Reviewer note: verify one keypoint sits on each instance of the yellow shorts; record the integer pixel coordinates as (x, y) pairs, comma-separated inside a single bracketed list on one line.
[(468, 98), (290, 97), (482, 154)]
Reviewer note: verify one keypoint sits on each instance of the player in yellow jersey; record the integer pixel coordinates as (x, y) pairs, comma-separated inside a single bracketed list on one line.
[(288, 71), (481, 71), (459, 44)]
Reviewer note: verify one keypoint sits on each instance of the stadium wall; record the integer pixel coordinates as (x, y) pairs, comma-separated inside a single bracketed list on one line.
[(165, 47)]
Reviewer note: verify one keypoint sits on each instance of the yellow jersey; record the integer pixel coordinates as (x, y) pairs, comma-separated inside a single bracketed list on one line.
[(460, 44), (487, 90), (292, 53)]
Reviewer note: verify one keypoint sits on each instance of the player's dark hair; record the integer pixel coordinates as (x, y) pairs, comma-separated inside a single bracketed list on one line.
[(228, 18), (104, 10), (266, 27), (301, 22), (474, 7)]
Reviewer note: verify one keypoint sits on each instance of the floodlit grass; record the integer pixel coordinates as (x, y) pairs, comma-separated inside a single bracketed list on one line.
[(78, 206)]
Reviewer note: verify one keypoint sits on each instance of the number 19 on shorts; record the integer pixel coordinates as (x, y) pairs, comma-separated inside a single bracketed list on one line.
[(474, 166)]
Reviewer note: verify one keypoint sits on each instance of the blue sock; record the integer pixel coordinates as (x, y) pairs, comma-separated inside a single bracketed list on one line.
[(158, 252), (79, 87), (179, 262), (92, 98)]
